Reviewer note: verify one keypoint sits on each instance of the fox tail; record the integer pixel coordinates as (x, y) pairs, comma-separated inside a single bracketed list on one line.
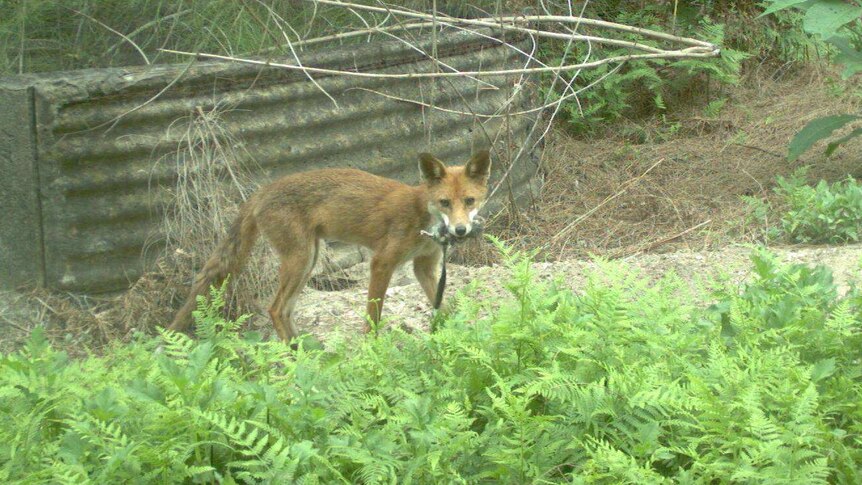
[(229, 258)]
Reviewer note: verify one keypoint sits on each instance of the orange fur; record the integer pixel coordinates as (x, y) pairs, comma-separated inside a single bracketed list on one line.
[(297, 211)]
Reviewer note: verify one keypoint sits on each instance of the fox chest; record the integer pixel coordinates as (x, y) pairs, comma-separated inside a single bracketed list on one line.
[(424, 247)]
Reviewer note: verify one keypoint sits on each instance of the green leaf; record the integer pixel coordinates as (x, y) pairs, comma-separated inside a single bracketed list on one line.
[(252, 337), (827, 16), (776, 5), (713, 109), (815, 131), (848, 56), (310, 342), (823, 369), (844, 139)]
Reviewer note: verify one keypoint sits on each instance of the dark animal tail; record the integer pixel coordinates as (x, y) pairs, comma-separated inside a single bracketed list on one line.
[(228, 258)]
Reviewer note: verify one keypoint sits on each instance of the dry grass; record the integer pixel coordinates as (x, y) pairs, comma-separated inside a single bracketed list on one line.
[(213, 179)]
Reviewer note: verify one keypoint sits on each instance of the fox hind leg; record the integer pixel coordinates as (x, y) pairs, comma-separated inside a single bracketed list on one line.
[(298, 248), (294, 274)]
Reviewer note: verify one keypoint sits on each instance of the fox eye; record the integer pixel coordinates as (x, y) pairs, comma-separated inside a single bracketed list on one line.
[(469, 201), (445, 203)]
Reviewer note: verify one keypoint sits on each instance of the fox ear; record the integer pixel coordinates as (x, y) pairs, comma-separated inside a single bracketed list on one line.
[(431, 168), (479, 166)]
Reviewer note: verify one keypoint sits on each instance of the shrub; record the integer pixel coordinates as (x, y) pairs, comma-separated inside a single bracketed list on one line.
[(822, 213), (625, 382), (837, 25), (641, 89)]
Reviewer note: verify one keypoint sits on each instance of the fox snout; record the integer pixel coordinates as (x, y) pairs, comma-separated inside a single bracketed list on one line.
[(460, 229), (457, 229), (464, 226)]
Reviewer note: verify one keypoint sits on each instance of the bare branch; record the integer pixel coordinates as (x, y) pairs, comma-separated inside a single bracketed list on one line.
[(531, 18), (688, 53)]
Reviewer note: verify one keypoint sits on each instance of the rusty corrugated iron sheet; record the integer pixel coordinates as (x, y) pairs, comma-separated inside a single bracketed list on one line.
[(81, 146)]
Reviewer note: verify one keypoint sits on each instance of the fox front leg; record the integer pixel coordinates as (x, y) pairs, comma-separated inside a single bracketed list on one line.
[(382, 268)]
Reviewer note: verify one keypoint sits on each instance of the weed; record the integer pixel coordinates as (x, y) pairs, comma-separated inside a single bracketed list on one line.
[(643, 88), (822, 213), (50, 35), (713, 109)]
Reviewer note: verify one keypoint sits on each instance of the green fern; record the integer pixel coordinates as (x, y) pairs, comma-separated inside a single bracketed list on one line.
[(625, 381)]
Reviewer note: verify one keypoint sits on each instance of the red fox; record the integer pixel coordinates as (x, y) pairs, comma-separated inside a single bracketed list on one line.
[(296, 211)]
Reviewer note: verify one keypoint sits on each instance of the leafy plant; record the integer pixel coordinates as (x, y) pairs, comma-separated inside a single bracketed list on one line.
[(642, 87), (822, 213), (803, 213), (837, 23), (714, 107), (626, 381)]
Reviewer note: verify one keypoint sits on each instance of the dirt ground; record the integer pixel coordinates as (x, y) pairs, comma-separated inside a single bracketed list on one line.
[(322, 313)]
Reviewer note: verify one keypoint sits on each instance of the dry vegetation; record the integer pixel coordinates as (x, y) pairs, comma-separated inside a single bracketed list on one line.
[(667, 186)]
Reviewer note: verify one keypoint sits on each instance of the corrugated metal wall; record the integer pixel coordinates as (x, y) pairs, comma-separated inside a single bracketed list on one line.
[(80, 146)]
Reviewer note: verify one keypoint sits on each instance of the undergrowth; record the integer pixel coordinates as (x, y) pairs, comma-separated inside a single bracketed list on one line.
[(661, 89), (812, 214), (50, 35), (644, 88), (623, 382)]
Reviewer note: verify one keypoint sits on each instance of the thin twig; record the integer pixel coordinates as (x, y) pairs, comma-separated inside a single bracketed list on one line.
[(19, 327), (354, 33), (23, 36), (547, 128), (311, 22), (655, 244), (433, 57), (148, 25), (768, 152), (46, 305), (491, 116), (113, 122), (450, 21), (558, 102), (278, 18)]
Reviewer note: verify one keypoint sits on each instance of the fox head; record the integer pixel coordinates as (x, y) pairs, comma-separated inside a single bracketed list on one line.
[(456, 193)]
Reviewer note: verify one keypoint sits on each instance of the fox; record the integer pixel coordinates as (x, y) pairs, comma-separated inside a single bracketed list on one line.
[(296, 212)]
